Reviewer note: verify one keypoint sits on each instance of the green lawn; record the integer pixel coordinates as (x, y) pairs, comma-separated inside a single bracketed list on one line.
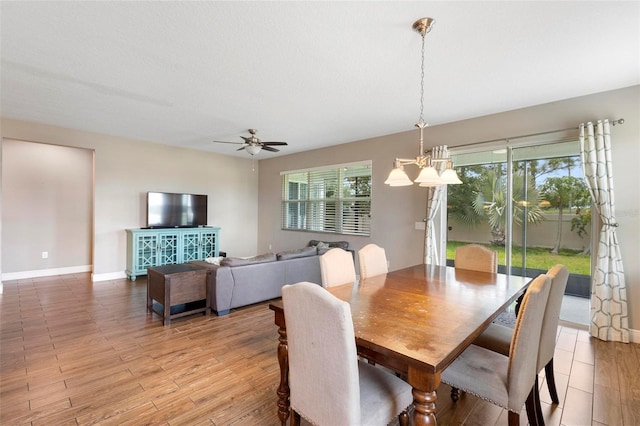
[(537, 257)]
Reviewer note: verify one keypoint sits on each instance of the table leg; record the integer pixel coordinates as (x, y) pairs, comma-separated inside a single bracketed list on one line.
[(424, 396), (283, 389)]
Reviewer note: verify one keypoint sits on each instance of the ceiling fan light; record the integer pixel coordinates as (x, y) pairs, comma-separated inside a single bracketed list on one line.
[(253, 149), (398, 177)]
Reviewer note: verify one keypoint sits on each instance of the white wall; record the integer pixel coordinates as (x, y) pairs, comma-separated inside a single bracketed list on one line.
[(126, 169), (396, 210)]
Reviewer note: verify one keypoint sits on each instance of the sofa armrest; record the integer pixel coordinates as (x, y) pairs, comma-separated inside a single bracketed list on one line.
[(221, 283)]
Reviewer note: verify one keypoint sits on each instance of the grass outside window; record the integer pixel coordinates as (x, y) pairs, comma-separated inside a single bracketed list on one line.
[(537, 257)]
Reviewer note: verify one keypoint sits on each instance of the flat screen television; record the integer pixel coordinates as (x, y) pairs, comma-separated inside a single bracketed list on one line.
[(168, 210)]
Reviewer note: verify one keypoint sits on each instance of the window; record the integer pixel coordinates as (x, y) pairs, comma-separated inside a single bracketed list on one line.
[(547, 221), (329, 199)]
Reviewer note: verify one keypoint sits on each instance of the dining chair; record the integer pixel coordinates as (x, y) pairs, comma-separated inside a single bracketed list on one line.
[(372, 260), (336, 267), (328, 385), (498, 337), (476, 258), (507, 381)]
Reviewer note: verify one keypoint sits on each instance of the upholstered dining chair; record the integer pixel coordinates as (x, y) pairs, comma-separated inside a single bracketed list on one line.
[(372, 260), (498, 337), (507, 381), (328, 385), (476, 258), (336, 267)]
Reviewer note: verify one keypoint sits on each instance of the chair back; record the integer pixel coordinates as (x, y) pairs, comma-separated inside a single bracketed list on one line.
[(336, 268), (372, 260), (323, 366), (559, 275), (476, 258), (523, 353)]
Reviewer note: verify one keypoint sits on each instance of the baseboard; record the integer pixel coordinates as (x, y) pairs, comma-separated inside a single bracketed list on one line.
[(8, 276), (634, 335), (108, 276)]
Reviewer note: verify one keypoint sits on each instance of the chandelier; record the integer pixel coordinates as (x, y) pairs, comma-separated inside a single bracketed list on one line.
[(425, 160)]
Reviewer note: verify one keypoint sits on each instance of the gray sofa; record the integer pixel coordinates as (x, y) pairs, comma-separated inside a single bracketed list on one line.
[(237, 282)]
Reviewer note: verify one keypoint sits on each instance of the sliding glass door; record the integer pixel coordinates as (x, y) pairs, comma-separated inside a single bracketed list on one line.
[(530, 204)]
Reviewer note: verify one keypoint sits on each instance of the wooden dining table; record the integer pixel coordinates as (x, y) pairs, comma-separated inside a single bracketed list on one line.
[(415, 321)]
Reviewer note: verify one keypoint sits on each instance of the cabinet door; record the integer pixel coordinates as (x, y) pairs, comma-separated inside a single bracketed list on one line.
[(167, 248), (190, 246), (146, 253), (209, 244)]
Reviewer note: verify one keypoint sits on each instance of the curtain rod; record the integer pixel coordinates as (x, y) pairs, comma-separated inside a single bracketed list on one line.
[(613, 123)]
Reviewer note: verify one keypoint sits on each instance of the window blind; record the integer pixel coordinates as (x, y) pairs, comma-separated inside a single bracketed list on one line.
[(333, 199)]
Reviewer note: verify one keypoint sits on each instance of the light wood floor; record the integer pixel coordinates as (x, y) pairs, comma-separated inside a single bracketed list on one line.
[(73, 352)]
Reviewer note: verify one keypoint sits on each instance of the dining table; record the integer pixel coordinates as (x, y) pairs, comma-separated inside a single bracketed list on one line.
[(415, 321)]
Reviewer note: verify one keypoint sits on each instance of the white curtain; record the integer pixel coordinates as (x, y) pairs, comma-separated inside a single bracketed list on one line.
[(609, 319), (434, 198)]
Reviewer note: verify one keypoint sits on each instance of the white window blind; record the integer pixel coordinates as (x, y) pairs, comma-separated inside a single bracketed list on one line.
[(334, 199)]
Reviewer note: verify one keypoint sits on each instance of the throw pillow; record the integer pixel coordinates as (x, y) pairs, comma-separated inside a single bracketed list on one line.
[(344, 245)]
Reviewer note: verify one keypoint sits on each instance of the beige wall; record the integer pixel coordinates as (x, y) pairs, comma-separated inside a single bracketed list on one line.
[(46, 185), (395, 210), (126, 169)]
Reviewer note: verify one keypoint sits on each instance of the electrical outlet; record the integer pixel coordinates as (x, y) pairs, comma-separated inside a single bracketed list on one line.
[(45, 254)]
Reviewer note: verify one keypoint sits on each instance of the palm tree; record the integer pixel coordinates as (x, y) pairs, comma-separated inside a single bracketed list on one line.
[(487, 195), (560, 192)]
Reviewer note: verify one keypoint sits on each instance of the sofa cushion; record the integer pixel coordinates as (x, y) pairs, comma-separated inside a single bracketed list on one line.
[(238, 261), (294, 254), (344, 245)]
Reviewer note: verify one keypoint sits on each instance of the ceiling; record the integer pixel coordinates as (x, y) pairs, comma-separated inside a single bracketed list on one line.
[(310, 73)]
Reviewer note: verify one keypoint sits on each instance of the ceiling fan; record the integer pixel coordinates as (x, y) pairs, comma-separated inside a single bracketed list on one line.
[(253, 145)]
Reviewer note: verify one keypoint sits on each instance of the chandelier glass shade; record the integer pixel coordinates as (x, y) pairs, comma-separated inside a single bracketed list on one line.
[(439, 155)]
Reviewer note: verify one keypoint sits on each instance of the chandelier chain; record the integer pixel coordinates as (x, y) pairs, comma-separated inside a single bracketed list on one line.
[(421, 118)]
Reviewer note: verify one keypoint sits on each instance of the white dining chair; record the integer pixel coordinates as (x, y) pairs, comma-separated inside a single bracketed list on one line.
[(372, 260), (498, 337), (337, 267), (328, 385), (507, 381), (476, 258)]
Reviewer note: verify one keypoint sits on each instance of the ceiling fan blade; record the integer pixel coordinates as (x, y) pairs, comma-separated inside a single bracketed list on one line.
[(241, 148), (235, 143), (268, 148), (274, 143)]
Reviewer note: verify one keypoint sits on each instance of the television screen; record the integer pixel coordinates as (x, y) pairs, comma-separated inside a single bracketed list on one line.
[(167, 210)]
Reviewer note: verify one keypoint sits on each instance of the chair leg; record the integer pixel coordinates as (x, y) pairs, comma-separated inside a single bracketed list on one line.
[(531, 410), (403, 418), (551, 382), (536, 397), (514, 419), (455, 394), (295, 418)]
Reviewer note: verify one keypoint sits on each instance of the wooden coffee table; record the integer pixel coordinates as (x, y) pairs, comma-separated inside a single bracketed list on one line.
[(172, 285)]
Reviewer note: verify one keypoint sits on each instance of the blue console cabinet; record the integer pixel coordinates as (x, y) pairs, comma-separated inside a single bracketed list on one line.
[(155, 247)]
